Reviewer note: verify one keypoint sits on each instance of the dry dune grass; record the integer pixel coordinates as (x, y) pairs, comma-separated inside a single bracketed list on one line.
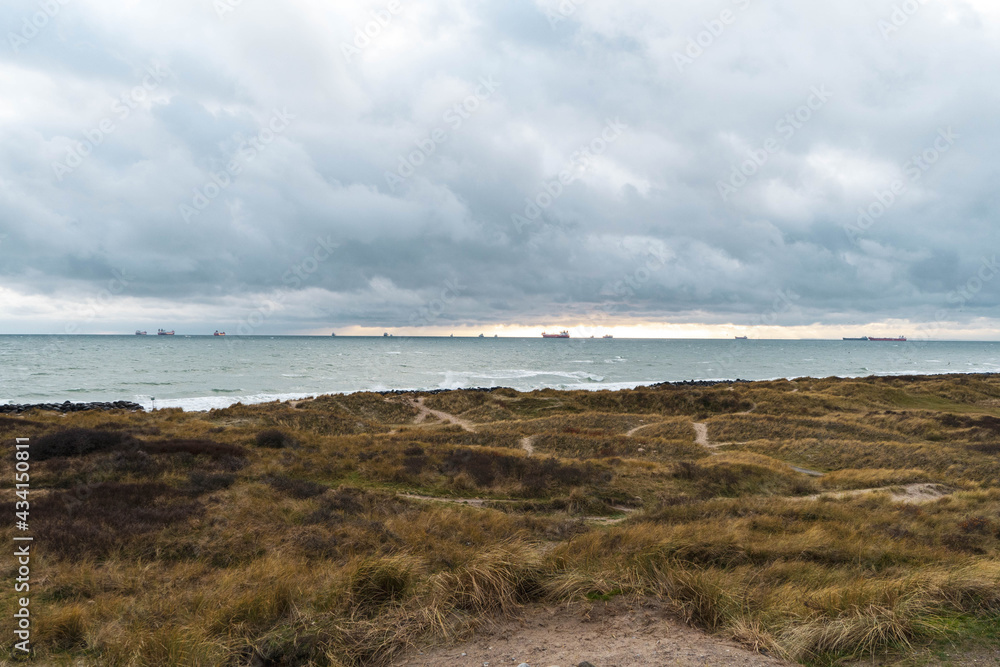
[(296, 535)]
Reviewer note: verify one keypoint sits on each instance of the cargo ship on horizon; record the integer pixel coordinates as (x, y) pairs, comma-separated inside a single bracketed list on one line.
[(899, 339), (561, 334)]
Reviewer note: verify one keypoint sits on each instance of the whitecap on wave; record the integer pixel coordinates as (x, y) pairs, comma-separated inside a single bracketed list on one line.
[(204, 403)]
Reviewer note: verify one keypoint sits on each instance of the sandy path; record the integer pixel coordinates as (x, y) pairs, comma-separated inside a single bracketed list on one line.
[(913, 494), (472, 502), (527, 443), (701, 434), (605, 634), (635, 430), (448, 418), (701, 438)]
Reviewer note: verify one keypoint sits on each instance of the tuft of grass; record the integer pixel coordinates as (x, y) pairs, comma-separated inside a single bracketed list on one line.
[(64, 628), (494, 583), (376, 582)]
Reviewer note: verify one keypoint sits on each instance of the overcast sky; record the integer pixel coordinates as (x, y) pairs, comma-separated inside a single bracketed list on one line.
[(647, 167)]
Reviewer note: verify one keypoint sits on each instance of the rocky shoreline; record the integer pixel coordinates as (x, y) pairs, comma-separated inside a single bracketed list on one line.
[(67, 406)]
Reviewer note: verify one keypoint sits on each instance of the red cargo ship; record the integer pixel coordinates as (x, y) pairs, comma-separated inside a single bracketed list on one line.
[(561, 334)]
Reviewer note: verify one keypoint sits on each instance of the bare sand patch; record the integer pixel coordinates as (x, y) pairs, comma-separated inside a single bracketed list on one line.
[(612, 634)]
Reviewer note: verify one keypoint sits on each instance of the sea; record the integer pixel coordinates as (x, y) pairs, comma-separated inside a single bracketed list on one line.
[(205, 372)]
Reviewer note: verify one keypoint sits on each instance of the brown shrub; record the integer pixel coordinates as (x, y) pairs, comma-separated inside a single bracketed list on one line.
[(77, 442), (13, 423), (209, 448), (732, 479), (135, 462), (94, 520), (535, 474), (272, 438), (975, 524), (414, 465), (200, 482), (296, 488)]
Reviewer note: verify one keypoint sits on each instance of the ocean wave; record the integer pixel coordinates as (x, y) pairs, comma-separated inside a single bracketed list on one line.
[(461, 379), (205, 403)]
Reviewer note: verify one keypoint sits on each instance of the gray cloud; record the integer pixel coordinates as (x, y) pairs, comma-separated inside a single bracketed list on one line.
[(638, 233)]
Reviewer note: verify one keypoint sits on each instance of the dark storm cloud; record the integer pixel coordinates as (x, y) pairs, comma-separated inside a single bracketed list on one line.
[(279, 153)]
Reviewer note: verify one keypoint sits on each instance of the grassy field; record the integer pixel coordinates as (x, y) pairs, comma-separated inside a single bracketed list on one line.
[(820, 520)]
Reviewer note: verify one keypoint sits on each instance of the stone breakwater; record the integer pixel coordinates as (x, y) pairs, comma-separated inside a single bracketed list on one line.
[(405, 392), (697, 383), (681, 383), (69, 407)]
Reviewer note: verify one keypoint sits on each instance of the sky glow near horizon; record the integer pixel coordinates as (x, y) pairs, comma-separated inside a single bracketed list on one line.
[(642, 168)]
